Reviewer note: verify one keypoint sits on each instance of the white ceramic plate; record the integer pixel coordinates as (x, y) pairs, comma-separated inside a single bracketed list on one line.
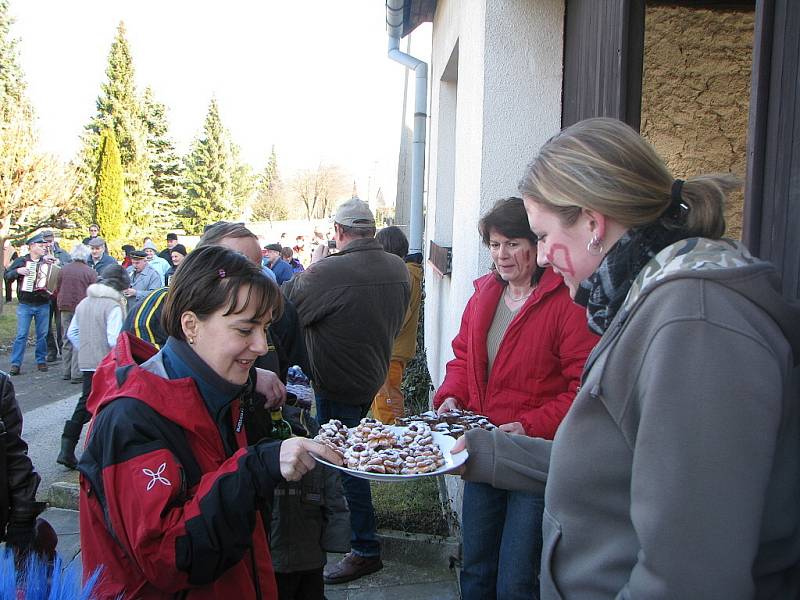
[(445, 443)]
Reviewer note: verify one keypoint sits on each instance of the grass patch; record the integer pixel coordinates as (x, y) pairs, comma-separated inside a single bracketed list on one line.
[(8, 326), (411, 506)]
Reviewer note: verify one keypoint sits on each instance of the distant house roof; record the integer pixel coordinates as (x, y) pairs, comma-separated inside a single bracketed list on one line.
[(416, 12)]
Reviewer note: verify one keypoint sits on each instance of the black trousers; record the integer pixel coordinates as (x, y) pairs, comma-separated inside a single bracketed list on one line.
[(301, 585), (54, 334), (80, 414)]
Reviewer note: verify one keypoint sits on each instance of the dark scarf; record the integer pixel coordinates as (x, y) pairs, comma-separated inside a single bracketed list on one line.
[(603, 292)]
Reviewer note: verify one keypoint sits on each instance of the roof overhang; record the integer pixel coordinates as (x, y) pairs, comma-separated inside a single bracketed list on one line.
[(416, 12)]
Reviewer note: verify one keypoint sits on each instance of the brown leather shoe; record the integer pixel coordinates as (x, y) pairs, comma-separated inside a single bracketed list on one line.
[(351, 567), (42, 366)]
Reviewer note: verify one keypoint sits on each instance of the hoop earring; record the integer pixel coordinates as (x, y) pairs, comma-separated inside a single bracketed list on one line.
[(595, 246)]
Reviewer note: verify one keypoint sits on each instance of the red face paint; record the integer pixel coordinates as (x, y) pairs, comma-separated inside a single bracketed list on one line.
[(560, 258)]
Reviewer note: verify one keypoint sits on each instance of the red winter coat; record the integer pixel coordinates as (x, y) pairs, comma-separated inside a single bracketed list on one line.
[(538, 365), (167, 509)]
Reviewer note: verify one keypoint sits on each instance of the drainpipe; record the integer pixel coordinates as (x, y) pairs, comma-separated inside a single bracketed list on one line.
[(394, 23)]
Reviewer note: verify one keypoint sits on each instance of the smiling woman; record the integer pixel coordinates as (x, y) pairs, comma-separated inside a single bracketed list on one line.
[(166, 461), (518, 360)]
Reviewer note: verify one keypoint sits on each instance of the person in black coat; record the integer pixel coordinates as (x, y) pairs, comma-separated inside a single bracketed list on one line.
[(19, 526)]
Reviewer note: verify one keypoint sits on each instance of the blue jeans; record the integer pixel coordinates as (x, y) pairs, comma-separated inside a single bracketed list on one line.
[(502, 543), (41, 314), (363, 539)]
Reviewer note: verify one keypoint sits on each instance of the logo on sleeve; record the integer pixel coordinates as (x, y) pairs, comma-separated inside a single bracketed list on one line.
[(156, 477)]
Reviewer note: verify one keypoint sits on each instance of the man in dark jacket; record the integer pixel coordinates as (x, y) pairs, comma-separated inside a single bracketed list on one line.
[(283, 272), (99, 259), (351, 306), (34, 305), (172, 244)]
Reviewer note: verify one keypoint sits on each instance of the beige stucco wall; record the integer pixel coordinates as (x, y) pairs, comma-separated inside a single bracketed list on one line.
[(696, 92)]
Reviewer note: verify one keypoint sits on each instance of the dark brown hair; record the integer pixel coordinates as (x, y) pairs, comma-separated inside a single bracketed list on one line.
[(508, 218), (211, 278), (393, 240)]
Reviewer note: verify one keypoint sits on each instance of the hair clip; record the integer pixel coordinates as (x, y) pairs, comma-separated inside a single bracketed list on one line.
[(221, 273)]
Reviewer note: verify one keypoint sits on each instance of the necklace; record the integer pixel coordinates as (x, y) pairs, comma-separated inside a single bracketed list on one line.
[(523, 297)]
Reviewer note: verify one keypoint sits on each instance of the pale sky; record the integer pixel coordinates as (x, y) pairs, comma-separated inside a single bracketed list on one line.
[(309, 76)]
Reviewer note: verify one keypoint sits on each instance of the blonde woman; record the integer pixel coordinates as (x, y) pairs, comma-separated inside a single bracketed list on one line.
[(676, 472)]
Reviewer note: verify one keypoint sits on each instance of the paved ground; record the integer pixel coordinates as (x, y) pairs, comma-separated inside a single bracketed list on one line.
[(395, 580)]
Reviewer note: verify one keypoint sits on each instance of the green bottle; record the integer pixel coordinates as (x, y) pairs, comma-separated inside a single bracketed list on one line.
[(281, 430)]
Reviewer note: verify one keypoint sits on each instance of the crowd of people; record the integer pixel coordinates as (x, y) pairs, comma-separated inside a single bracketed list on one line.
[(638, 366)]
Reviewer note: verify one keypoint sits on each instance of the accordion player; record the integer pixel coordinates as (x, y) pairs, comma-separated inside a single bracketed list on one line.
[(42, 276)]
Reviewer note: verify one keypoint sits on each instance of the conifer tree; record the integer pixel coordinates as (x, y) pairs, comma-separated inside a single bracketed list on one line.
[(270, 203), (109, 192), (118, 109), (166, 168), (217, 182)]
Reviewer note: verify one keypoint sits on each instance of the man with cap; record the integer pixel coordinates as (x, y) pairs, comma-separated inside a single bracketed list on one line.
[(54, 331), (351, 306), (144, 278), (99, 259), (282, 270), (172, 246), (33, 305), (157, 263)]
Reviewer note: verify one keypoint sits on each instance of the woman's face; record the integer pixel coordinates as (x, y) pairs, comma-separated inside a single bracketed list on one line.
[(177, 258), (229, 344), (563, 247), (514, 258)]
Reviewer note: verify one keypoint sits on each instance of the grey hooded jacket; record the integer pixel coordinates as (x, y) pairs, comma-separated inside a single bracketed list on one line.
[(676, 473)]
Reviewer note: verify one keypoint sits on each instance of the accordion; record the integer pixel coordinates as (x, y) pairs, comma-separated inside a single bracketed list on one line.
[(41, 277)]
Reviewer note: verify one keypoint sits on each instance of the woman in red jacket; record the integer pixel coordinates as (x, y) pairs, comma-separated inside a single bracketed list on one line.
[(518, 360)]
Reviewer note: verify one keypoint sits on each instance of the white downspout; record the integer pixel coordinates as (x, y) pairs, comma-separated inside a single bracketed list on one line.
[(394, 22)]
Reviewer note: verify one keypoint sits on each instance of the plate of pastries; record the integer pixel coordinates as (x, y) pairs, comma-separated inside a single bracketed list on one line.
[(372, 450)]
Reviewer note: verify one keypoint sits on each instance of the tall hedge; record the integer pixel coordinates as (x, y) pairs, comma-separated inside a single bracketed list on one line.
[(109, 206)]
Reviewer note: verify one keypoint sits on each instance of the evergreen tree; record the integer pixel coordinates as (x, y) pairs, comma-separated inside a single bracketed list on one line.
[(118, 109), (217, 182), (270, 202), (109, 192), (166, 168)]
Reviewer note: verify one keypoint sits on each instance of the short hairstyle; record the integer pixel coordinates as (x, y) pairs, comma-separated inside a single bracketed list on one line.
[(114, 276), (287, 252), (393, 240), (210, 279), (356, 232), (80, 252), (604, 165), (508, 218), (223, 229)]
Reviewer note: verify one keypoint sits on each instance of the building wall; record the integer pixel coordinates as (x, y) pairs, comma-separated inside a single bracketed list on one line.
[(696, 92), (496, 84)]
